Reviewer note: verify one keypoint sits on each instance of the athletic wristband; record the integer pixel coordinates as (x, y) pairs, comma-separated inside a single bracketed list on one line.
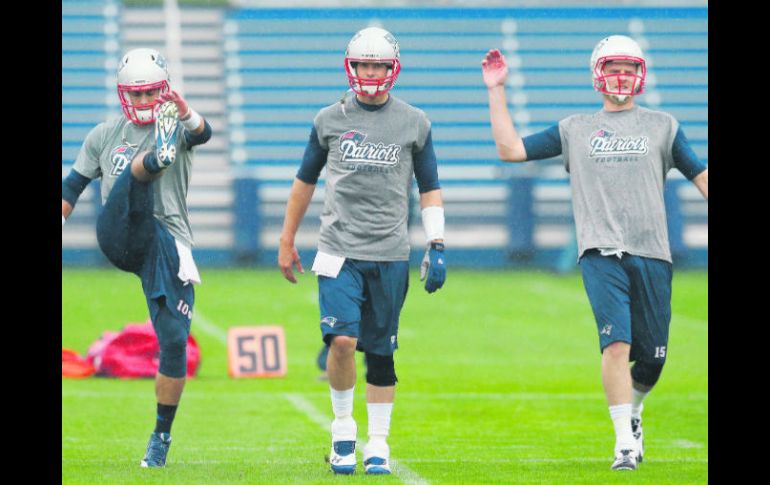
[(63, 220), (193, 120), (433, 222)]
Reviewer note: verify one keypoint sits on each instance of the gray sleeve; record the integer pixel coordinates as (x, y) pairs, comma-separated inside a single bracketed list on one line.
[(87, 162), (668, 156), (319, 127), (423, 130)]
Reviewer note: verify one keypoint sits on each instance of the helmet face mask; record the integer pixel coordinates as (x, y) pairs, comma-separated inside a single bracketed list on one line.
[(141, 70), (614, 83), (372, 45)]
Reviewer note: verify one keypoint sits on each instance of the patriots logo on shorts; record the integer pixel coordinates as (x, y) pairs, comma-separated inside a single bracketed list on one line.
[(330, 321), (120, 157)]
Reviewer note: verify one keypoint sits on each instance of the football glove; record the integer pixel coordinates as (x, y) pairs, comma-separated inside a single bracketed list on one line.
[(433, 267)]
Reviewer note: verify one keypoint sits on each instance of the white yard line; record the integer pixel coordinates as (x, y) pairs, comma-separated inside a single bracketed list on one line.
[(687, 444), (199, 322)]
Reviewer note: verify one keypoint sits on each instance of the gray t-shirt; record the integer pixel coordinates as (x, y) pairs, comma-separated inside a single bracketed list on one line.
[(618, 163), (110, 147), (369, 171)]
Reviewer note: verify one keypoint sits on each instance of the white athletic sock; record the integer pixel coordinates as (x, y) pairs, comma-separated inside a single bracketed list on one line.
[(621, 419), (342, 402), (379, 420), (636, 405), (344, 429)]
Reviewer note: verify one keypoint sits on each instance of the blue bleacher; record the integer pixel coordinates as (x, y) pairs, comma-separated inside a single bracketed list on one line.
[(89, 43), (284, 65)]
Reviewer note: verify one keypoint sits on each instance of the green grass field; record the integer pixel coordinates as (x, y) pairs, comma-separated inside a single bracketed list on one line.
[(499, 383)]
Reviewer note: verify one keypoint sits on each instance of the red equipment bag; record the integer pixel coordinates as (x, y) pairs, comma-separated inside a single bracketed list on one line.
[(134, 352)]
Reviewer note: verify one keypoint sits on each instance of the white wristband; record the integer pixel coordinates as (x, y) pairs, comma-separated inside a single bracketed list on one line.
[(63, 220), (433, 222), (193, 121)]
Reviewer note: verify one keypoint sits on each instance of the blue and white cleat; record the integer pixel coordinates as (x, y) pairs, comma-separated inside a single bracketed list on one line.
[(376, 459), (343, 457), (157, 449), (625, 460), (165, 133), (636, 428)]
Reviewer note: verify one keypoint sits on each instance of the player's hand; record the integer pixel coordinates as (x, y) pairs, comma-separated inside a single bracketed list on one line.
[(288, 257), (433, 267), (177, 98), (494, 69)]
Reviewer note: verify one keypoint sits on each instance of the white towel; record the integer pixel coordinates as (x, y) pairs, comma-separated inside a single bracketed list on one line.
[(327, 265), (188, 271)]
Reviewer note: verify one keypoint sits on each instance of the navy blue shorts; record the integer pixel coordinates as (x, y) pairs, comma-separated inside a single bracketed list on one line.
[(161, 283), (631, 301), (364, 301), (135, 241)]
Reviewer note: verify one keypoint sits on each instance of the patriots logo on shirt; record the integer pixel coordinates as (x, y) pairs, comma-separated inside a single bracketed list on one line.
[(604, 142), (120, 157), (354, 150)]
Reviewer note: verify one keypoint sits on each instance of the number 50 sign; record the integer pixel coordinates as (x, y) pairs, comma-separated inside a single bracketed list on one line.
[(256, 351)]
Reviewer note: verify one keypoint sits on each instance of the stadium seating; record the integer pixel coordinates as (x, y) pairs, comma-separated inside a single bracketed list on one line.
[(281, 66)]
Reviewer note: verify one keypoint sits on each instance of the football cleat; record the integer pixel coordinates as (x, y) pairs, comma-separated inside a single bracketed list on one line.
[(165, 133), (636, 428), (157, 449), (376, 460), (625, 460), (342, 457)]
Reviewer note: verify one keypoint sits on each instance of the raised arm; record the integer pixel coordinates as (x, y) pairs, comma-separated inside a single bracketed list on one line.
[(199, 129), (510, 147)]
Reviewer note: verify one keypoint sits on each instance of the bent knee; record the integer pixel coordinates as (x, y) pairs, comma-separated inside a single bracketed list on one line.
[(647, 373)]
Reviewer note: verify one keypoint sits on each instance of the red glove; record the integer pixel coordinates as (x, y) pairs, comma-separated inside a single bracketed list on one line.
[(181, 104)]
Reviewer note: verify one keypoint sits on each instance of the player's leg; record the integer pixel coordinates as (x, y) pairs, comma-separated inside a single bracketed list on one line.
[(170, 302), (340, 299), (607, 287), (380, 394), (386, 287), (650, 322), (124, 228)]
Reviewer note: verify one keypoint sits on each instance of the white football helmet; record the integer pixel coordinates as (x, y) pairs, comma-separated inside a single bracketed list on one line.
[(372, 44), (141, 70), (618, 48)]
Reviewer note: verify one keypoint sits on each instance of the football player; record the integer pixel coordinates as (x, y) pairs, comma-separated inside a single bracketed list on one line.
[(372, 145), (144, 161), (617, 159)]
